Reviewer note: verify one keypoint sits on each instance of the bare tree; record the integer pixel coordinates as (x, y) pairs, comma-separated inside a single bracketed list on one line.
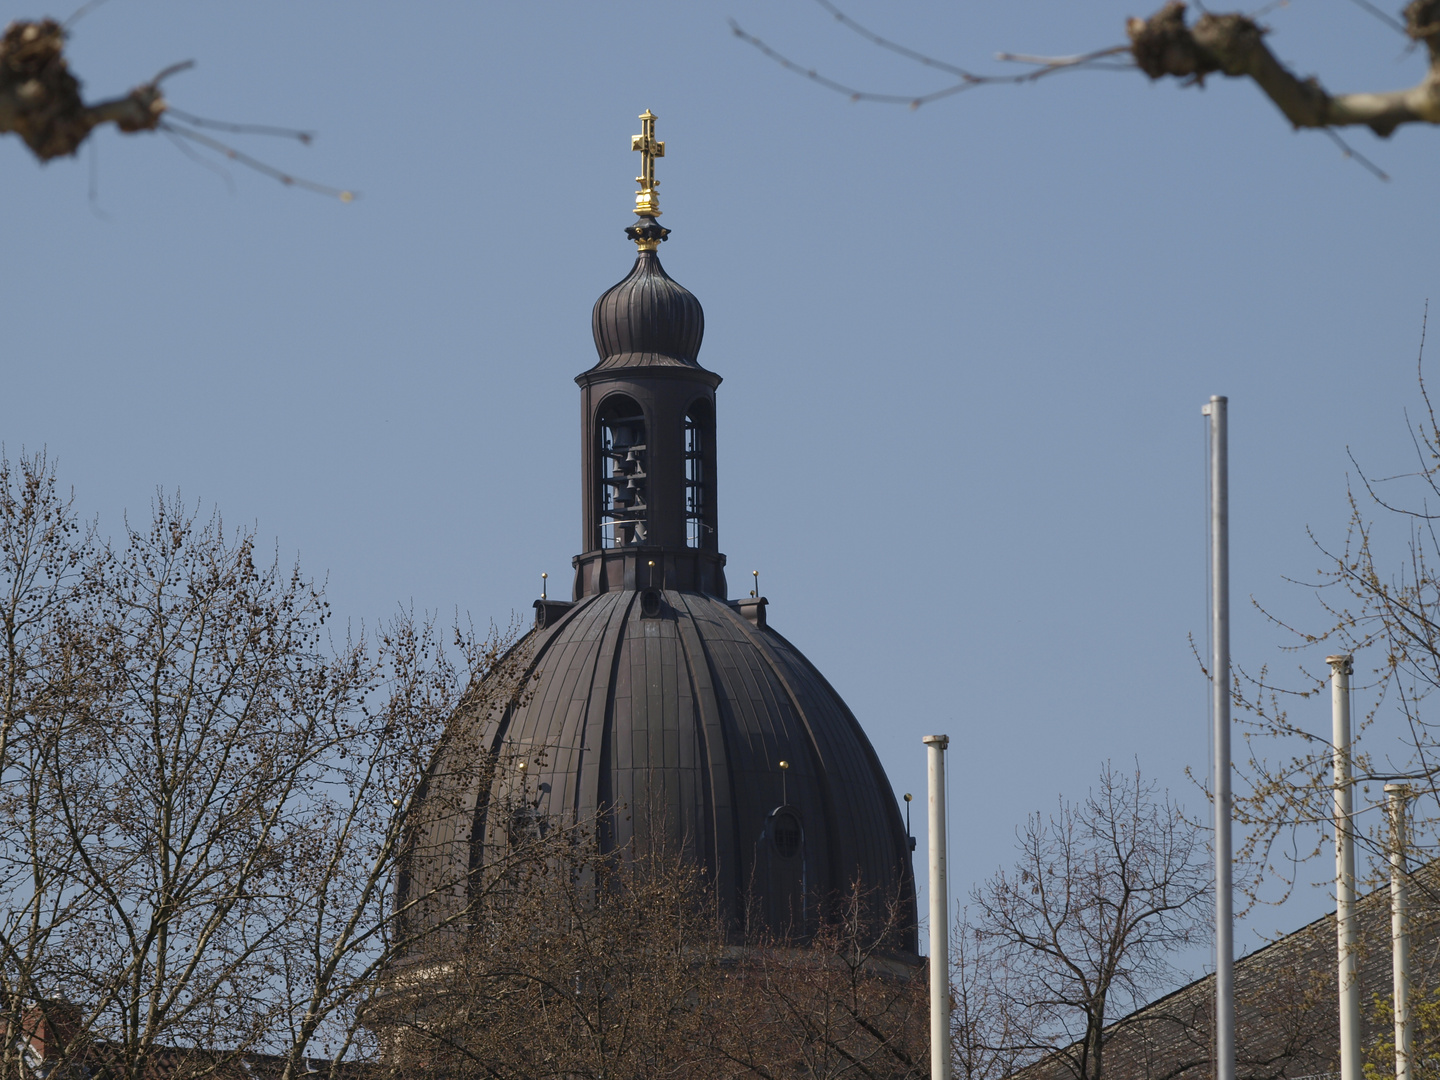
[(577, 964), (847, 1004), (622, 966), (988, 1039), (204, 801), (1379, 594), (1081, 930)]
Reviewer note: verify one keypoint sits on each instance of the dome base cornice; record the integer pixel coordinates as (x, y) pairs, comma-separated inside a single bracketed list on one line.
[(649, 366), (636, 568)]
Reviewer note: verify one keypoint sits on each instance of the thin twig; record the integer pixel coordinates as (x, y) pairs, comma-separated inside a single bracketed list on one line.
[(849, 91), (1063, 61), (93, 160), (1350, 152), (81, 12), (173, 69), (1262, 12), (305, 137), (885, 43), (1384, 16), (968, 80), (1057, 62), (257, 165), (189, 152)]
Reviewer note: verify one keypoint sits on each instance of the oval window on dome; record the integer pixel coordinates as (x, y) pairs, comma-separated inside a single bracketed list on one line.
[(527, 826), (786, 834), (621, 459), (781, 872)]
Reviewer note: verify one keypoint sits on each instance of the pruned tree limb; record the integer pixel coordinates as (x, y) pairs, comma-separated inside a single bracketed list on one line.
[(1234, 45), (40, 98)]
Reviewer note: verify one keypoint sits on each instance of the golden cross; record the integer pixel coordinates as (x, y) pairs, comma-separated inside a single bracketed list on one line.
[(647, 200)]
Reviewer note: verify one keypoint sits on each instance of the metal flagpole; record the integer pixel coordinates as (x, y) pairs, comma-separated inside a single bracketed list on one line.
[(1220, 707), (939, 913), (1397, 795), (1345, 922)]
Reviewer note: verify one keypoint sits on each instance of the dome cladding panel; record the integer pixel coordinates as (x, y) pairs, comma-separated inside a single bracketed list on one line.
[(681, 720), (648, 317)]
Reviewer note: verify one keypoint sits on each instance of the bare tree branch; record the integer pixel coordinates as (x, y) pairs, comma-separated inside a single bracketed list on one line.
[(1164, 45), (40, 101), (967, 80), (1234, 45)]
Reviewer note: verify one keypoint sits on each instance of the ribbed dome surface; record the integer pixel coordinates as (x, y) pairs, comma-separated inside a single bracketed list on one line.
[(677, 709), (648, 319)]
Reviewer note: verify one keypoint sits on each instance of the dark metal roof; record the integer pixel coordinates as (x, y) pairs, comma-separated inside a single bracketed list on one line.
[(648, 319), (677, 708)]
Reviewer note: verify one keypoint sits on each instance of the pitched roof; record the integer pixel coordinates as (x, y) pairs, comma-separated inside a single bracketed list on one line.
[(1286, 1003)]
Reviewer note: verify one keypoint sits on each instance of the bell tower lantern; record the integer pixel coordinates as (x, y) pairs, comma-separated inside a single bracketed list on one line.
[(648, 424)]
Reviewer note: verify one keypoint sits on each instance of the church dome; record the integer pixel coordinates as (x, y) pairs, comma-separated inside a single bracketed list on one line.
[(648, 319), (688, 716), (654, 709)]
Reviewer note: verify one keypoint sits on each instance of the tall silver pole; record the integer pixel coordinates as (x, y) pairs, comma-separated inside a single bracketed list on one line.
[(1397, 795), (1220, 709), (939, 913), (1346, 936)]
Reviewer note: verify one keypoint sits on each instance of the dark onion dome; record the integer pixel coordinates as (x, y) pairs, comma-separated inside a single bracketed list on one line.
[(676, 709), (648, 319)]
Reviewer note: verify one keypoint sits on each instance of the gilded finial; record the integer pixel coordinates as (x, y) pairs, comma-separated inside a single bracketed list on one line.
[(647, 199), (647, 232)]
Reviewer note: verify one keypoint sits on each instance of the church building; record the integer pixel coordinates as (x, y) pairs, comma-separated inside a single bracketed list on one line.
[(655, 704)]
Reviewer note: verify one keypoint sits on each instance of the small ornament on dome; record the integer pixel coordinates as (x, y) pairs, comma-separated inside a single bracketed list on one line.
[(647, 233)]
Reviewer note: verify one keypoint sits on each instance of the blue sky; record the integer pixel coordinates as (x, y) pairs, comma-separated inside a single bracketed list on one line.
[(965, 347)]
